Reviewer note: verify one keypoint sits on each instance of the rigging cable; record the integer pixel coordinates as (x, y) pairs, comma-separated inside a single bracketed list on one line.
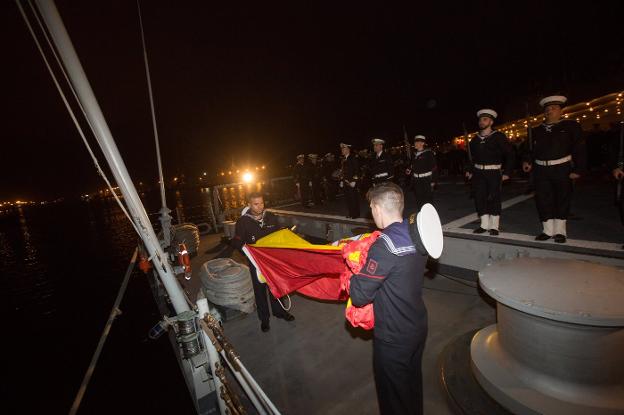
[(151, 99), (115, 311), (69, 109)]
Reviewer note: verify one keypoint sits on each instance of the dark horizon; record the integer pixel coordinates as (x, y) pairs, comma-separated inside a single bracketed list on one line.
[(258, 84)]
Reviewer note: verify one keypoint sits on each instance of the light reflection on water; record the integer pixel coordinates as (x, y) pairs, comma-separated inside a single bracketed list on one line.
[(60, 268)]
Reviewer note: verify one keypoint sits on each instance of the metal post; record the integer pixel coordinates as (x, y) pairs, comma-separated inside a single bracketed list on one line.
[(217, 205), (211, 212), (107, 144)]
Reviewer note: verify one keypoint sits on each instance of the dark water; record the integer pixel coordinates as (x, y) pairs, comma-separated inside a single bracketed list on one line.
[(60, 268)]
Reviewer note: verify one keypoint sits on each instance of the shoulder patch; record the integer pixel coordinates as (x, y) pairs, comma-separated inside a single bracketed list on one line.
[(371, 267)]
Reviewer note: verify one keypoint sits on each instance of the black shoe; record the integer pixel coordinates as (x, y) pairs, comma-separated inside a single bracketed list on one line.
[(264, 326), (287, 317), (542, 237), (479, 230), (560, 239), (494, 232)]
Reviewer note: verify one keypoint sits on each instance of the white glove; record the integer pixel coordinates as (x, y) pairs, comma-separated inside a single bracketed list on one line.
[(352, 184), (310, 184), (341, 185)]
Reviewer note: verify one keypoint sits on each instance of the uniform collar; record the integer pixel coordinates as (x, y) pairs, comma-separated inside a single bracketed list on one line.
[(397, 239), (259, 221), (485, 136)]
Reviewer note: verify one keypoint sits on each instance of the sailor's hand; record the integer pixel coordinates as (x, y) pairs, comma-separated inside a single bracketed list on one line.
[(526, 166), (341, 184), (432, 185), (574, 176), (505, 177), (407, 171), (352, 184), (468, 175), (618, 173)]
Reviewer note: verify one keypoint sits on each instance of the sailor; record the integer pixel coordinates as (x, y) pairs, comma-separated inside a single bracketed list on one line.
[(350, 174), (301, 175), (422, 171), (381, 166), (331, 176), (558, 157), (254, 224), (492, 161), (404, 163), (316, 178), (392, 279)]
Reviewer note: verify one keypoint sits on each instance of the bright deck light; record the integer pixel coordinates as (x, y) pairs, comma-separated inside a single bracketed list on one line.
[(248, 177)]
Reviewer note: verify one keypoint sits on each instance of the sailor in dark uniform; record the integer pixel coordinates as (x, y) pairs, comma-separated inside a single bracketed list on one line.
[(381, 166), (558, 157), (254, 224), (316, 178), (331, 176), (301, 175), (392, 280), (492, 161), (350, 176), (422, 172)]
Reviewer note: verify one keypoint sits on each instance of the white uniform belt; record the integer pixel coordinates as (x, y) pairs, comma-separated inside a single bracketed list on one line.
[(419, 175), (380, 175), (553, 162), (488, 166)]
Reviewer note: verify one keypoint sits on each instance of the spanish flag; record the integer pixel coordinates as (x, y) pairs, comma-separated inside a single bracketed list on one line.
[(289, 263)]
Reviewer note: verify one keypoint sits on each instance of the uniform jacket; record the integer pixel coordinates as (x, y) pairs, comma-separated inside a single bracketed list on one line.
[(381, 167), (392, 280), (493, 149), (555, 141)]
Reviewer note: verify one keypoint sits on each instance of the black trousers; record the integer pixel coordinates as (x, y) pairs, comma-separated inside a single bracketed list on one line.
[(398, 377), (316, 192), (353, 200), (261, 292), (331, 189), (553, 191), (422, 191), (486, 185), (304, 192)]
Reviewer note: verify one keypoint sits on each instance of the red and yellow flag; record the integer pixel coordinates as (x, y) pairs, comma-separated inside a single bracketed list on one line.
[(289, 263)]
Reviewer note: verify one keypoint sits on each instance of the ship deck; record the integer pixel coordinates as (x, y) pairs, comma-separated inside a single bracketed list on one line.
[(319, 364)]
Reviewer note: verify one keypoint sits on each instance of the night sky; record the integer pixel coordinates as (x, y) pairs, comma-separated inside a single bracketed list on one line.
[(261, 84)]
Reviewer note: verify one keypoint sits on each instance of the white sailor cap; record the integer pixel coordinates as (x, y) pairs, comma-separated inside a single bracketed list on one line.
[(419, 137), (378, 141), (486, 112), (553, 100), (312, 156), (300, 156), (342, 145)]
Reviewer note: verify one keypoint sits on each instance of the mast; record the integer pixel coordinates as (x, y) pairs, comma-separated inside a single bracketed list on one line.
[(85, 94)]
